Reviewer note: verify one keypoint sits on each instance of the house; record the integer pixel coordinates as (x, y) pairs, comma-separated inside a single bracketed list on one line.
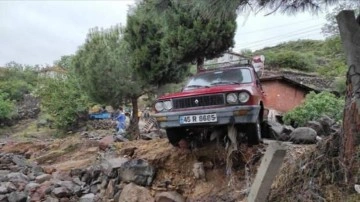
[(283, 94), (53, 72)]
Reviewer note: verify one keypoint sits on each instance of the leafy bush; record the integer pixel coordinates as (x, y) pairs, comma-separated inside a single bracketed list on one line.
[(316, 105), (63, 99), (289, 59), (17, 81), (6, 107)]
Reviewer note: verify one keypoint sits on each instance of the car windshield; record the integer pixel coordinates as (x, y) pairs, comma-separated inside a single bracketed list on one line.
[(221, 77)]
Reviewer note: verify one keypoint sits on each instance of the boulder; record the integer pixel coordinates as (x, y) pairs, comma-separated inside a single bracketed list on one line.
[(17, 177), (109, 166), (127, 151), (326, 123), (3, 198), (17, 197), (3, 190), (135, 193), (138, 171), (120, 138), (60, 192), (316, 126), (171, 196), (87, 198), (51, 199), (42, 178), (303, 135), (32, 186), (105, 142)]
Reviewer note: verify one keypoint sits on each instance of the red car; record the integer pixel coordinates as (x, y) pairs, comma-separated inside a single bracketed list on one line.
[(214, 101)]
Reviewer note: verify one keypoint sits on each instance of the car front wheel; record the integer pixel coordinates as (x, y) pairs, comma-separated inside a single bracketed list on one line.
[(254, 133)]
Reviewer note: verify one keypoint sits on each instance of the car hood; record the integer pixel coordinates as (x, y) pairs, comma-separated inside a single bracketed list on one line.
[(210, 90)]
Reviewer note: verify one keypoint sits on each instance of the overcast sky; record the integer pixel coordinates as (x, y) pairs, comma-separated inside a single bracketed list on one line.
[(39, 32)]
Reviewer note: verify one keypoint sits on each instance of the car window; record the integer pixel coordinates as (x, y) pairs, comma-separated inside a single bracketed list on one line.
[(221, 77)]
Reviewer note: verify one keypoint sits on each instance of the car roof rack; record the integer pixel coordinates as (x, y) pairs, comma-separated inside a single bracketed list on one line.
[(224, 65)]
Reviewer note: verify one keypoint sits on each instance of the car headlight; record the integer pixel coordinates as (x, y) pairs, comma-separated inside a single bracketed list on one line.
[(231, 98), (244, 97), (168, 105), (159, 106)]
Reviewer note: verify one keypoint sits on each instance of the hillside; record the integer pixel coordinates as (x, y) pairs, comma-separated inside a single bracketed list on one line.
[(323, 57)]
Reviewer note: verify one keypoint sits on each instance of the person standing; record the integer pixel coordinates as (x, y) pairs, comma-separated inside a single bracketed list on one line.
[(121, 121)]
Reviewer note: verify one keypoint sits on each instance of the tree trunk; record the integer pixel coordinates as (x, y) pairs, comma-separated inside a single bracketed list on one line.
[(350, 136), (134, 123), (200, 63)]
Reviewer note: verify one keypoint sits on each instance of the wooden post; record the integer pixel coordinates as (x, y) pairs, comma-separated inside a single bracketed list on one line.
[(350, 137)]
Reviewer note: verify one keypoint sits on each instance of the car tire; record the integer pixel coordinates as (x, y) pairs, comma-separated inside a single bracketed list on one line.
[(254, 133), (174, 135)]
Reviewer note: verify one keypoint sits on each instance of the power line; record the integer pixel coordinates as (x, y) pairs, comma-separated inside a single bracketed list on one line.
[(269, 28), (293, 33), (273, 42)]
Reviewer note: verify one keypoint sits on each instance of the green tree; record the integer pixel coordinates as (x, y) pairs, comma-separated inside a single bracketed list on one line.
[(190, 36), (103, 68), (65, 61), (144, 34), (64, 100)]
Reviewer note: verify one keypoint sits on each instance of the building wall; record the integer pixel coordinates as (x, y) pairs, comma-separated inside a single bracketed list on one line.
[(281, 96)]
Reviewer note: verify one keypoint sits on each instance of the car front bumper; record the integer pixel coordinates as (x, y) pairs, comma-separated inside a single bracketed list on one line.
[(225, 115)]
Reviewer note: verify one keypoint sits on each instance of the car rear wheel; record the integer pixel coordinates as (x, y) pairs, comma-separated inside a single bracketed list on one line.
[(175, 135)]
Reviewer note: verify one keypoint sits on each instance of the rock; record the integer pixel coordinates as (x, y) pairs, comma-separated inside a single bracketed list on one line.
[(3, 198), (105, 142), (76, 172), (19, 161), (69, 185), (64, 199), (37, 170), (51, 199), (32, 186), (49, 169), (42, 178), (60, 192), (171, 196), (316, 126), (111, 165), (138, 171), (287, 130), (17, 197), (357, 188), (276, 127), (3, 190), (135, 193), (326, 123), (127, 151), (94, 189), (109, 192), (17, 177), (44, 189), (35, 197), (198, 170), (10, 186), (87, 198), (120, 138), (303, 135)]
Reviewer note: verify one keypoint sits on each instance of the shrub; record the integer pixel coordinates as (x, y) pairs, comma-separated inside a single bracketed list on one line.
[(63, 99), (314, 106), (6, 107), (288, 59)]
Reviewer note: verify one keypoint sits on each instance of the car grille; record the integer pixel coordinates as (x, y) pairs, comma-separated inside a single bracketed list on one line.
[(207, 100)]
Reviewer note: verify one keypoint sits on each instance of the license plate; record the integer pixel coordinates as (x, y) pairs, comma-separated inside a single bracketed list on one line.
[(201, 118)]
